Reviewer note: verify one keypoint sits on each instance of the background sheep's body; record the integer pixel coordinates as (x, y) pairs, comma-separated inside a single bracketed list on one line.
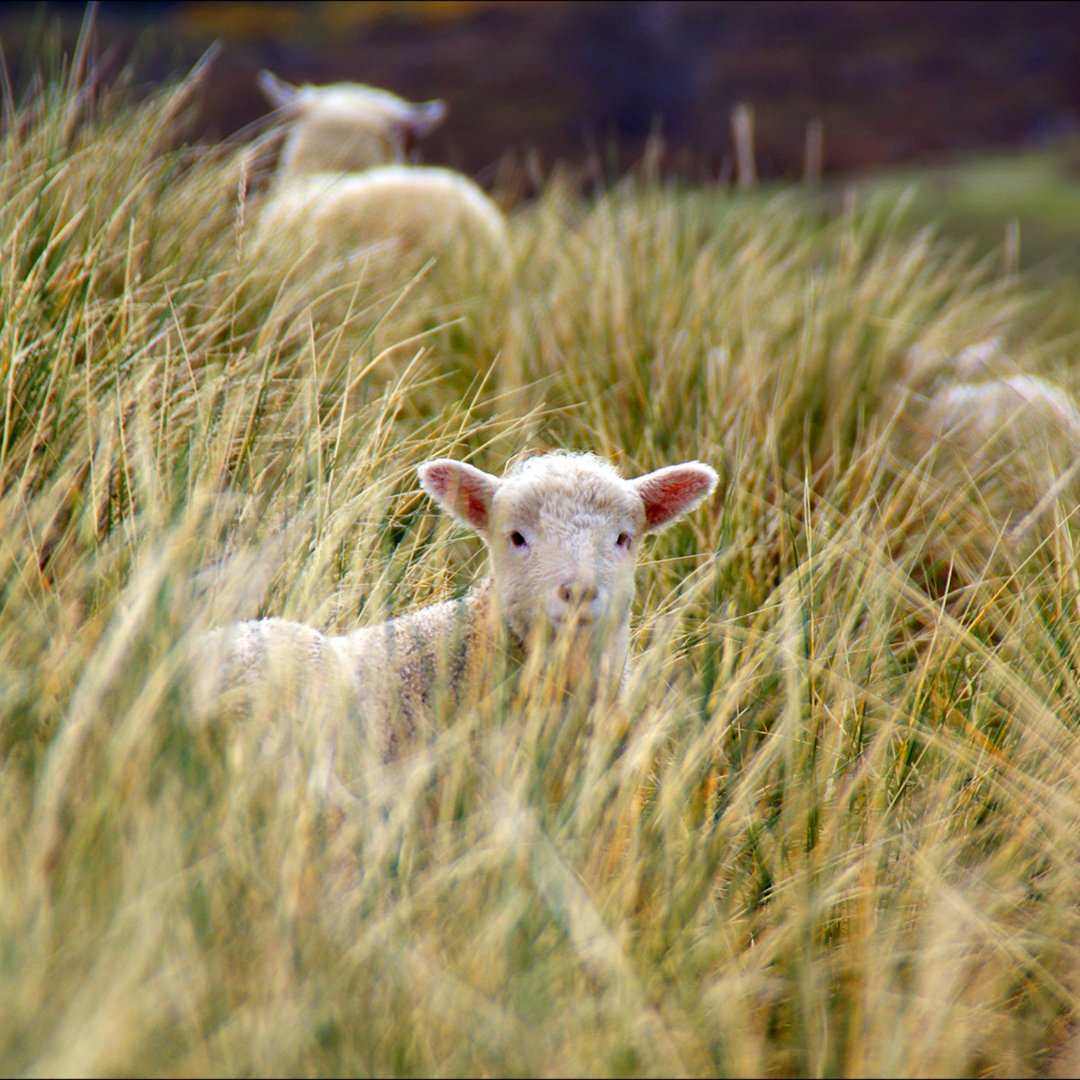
[(394, 209), (562, 532), (1014, 437), (341, 185)]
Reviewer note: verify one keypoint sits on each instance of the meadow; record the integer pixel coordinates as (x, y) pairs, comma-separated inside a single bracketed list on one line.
[(832, 830)]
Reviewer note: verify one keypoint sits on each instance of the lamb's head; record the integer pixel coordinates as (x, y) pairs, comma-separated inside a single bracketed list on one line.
[(344, 127), (563, 531)]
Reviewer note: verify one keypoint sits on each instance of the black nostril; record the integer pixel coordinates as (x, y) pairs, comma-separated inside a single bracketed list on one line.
[(577, 594)]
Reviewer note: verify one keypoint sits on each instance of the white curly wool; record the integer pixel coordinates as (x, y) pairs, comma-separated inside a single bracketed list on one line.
[(342, 186), (562, 531)]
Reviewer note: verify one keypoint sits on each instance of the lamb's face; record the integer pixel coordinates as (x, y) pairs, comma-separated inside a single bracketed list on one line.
[(563, 537), (563, 531)]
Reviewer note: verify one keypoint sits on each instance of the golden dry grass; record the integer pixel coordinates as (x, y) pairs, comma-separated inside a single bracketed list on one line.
[(834, 828)]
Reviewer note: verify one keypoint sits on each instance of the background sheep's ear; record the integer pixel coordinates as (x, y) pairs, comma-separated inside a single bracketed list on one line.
[(672, 491), (278, 92), (461, 490), (423, 118)]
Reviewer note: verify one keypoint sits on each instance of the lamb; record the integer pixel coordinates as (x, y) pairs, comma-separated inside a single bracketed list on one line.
[(1013, 438), (562, 532), (342, 186)]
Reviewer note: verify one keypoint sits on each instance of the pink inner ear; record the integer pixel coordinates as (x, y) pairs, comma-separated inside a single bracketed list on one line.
[(459, 488), (672, 491), (476, 508)]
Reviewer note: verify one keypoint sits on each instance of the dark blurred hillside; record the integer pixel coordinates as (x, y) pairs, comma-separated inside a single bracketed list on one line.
[(890, 81)]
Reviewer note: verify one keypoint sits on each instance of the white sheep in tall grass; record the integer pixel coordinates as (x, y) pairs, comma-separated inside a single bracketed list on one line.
[(562, 531), (343, 189), (1002, 448)]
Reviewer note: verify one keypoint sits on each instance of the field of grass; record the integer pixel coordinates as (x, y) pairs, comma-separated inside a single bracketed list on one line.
[(834, 828)]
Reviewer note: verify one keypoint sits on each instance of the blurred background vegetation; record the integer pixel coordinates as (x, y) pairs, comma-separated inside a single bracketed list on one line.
[(975, 105), (891, 82)]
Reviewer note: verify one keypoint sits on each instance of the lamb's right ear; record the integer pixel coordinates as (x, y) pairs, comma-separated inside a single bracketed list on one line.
[(672, 491), (279, 93), (461, 490)]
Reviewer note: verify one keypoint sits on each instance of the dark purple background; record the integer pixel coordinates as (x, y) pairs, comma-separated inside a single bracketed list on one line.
[(891, 81)]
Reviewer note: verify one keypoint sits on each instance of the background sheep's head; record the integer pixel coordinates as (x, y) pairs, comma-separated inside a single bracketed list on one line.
[(345, 127), (563, 531)]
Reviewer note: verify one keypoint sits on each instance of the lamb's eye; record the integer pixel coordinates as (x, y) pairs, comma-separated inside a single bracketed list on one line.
[(623, 540), (518, 540)]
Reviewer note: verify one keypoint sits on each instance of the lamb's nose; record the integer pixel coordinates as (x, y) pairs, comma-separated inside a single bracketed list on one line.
[(577, 593)]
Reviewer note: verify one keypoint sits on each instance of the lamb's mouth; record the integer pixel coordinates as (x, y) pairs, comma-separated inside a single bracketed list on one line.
[(578, 625), (581, 618)]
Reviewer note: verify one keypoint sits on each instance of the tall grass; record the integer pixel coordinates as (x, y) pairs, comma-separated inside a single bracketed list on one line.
[(832, 830)]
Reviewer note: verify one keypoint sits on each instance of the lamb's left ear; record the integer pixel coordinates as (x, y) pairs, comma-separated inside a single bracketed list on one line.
[(672, 491), (461, 490)]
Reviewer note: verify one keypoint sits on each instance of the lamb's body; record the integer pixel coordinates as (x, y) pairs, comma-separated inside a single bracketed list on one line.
[(562, 532), (389, 675), (342, 187)]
